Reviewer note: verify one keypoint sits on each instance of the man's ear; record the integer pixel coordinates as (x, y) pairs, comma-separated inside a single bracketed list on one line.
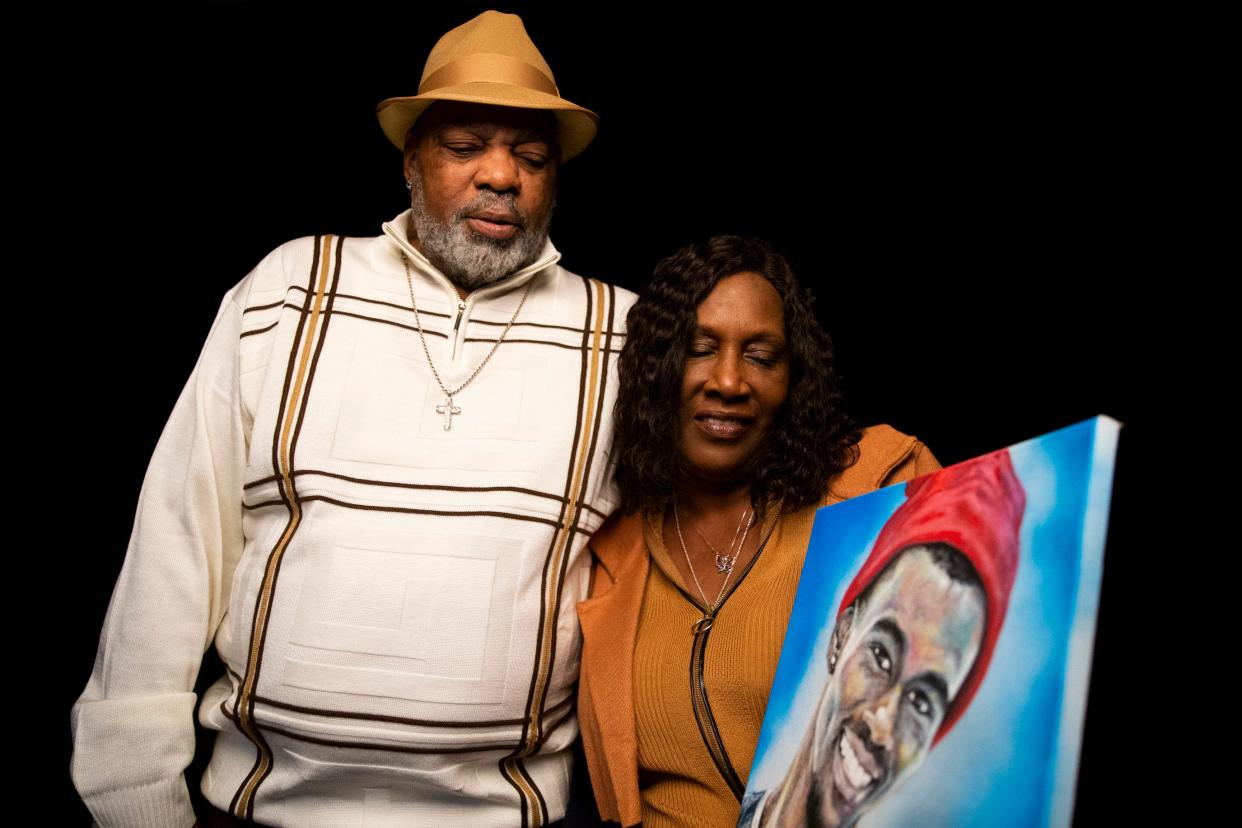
[(839, 633), (409, 165)]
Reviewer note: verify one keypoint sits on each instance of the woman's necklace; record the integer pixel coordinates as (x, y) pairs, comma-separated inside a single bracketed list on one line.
[(447, 408), (724, 563), (726, 568)]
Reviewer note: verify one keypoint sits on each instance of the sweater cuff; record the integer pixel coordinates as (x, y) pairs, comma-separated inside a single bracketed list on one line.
[(129, 759), (163, 804)]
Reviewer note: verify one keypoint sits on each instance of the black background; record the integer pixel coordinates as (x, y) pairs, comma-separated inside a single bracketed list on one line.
[(970, 197)]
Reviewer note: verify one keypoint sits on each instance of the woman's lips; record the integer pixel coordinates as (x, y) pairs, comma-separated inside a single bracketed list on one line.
[(723, 426)]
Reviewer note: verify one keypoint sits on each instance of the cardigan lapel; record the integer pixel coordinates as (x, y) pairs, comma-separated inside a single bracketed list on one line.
[(609, 621)]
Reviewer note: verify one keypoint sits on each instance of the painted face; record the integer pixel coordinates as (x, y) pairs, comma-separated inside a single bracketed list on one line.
[(736, 377), (483, 180), (899, 660)]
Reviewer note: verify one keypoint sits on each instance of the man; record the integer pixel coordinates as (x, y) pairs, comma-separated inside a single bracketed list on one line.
[(373, 496), (911, 644)]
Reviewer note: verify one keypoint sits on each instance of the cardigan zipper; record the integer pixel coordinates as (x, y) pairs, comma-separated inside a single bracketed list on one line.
[(703, 716), (703, 710)]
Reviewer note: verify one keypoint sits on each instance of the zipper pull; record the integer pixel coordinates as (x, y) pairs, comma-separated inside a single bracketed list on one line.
[(703, 624), (461, 306)]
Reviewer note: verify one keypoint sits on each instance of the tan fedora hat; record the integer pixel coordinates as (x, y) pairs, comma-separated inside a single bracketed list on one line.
[(490, 60)]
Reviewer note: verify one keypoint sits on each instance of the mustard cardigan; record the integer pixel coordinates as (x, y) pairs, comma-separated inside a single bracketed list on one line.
[(609, 619)]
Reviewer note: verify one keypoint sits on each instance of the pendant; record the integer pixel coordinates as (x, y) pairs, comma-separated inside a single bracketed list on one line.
[(448, 410), (723, 564)]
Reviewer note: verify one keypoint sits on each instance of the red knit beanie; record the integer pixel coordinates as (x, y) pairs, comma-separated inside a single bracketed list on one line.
[(975, 507)]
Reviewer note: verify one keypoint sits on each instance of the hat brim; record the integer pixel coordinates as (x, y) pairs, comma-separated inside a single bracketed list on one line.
[(575, 125)]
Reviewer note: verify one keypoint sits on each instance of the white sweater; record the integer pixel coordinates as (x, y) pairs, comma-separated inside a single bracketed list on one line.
[(394, 601)]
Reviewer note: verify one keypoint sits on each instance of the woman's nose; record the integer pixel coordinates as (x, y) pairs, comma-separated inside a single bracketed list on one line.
[(726, 377)]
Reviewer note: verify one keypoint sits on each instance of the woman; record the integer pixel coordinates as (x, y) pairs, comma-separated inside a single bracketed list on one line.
[(728, 437)]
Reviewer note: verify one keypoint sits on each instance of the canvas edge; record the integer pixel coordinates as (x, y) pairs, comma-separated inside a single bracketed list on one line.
[(1082, 635)]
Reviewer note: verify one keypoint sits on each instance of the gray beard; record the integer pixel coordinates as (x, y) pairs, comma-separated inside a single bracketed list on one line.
[(467, 258)]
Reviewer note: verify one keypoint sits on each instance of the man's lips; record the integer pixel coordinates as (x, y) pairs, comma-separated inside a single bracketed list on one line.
[(495, 225), (856, 770), (723, 425)]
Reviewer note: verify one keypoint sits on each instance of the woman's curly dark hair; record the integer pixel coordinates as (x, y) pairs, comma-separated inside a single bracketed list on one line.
[(811, 439)]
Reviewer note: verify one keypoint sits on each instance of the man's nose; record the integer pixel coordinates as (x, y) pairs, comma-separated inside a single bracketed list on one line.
[(497, 171), (881, 717)]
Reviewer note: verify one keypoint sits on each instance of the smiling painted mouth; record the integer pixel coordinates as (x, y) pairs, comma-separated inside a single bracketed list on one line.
[(856, 772)]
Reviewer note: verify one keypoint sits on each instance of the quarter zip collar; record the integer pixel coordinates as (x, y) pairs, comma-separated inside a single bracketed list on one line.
[(452, 349), (398, 231)]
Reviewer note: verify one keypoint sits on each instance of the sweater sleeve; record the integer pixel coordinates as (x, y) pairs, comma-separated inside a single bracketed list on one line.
[(133, 727), (920, 461)]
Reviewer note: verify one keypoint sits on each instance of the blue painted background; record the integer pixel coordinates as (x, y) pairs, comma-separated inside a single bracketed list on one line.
[(998, 765)]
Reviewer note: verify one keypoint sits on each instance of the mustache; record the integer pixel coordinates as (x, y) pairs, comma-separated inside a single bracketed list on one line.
[(488, 201)]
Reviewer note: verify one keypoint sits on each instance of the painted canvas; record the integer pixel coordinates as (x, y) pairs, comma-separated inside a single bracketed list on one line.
[(935, 668)]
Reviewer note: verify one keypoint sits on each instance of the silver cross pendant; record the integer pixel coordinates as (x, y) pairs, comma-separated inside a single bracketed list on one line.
[(448, 410)]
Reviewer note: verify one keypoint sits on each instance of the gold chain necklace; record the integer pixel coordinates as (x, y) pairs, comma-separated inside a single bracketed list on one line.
[(705, 623), (711, 605), (725, 562), (447, 408)]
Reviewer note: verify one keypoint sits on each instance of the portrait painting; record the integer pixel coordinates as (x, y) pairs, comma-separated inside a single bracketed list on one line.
[(935, 667)]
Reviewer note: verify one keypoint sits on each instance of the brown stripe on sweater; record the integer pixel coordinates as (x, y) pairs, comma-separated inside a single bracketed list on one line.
[(316, 740), (325, 313), (292, 453), (256, 738), (543, 804), (418, 486), (402, 720), (568, 717), (515, 774), (512, 766), (263, 307), (430, 332), (558, 564), (585, 477), (512, 771), (293, 359), (259, 330), (408, 309), (390, 748), (253, 507), (569, 478), (314, 364), (409, 510), (564, 705), (299, 394), (435, 333)]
